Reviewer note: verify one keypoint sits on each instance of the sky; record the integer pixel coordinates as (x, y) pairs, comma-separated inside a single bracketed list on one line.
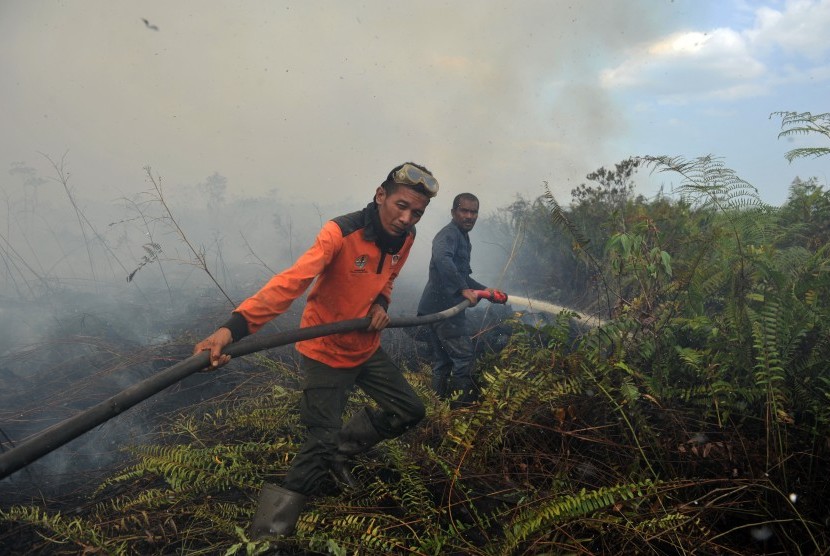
[(318, 100)]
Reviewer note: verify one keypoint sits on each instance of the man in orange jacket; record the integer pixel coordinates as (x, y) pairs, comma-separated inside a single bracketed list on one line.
[(355, 260)]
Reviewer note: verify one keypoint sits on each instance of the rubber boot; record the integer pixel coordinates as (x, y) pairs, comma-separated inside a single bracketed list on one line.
[(358, 435), (440, 381), (341, 472), (277, 513)]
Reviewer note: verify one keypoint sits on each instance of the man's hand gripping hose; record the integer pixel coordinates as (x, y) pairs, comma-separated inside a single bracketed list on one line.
[(59, 434)]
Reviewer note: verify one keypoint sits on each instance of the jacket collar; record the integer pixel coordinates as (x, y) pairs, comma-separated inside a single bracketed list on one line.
[(464, 233), (374, 232)]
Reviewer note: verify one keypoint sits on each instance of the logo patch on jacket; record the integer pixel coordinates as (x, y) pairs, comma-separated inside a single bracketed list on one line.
[(395, 259), (360, 263)]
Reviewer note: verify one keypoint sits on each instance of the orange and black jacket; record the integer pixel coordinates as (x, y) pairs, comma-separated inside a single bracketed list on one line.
[(355, 263)]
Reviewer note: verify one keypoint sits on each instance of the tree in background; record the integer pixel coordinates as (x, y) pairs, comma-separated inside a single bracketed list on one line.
[(805, 217), (607, 199)]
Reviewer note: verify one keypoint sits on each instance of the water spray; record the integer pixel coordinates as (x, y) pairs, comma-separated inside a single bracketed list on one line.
[(538, 305)]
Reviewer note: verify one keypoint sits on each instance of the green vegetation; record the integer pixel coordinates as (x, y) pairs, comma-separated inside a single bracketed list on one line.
[(696, 420), (804, 123)]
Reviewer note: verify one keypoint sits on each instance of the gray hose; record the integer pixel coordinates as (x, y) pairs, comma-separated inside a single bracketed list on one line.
[(60, 433)]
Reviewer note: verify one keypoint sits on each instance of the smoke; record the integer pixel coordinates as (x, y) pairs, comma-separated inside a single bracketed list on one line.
[(318, 101), (260, 123), (98, 294)]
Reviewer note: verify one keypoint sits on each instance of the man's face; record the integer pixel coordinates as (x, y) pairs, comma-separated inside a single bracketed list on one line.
[(400, 210), (465, 214)]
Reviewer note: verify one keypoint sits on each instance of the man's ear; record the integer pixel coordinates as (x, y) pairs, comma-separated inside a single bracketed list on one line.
[(380, 195)]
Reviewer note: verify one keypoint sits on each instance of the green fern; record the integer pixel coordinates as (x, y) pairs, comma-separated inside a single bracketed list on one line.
[(804, 123), (58, 529), (542, 516), (184, 467)]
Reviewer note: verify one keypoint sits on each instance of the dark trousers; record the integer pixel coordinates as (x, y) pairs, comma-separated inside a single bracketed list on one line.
[(452, 367), (325, 393)]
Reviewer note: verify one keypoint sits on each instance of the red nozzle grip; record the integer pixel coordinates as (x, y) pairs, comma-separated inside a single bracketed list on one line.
[(495, 296)]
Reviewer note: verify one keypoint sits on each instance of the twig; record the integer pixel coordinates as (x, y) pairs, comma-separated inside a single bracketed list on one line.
[(201, 261)]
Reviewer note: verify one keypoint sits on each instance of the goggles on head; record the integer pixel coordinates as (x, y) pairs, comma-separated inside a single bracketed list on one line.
[(409, 174)]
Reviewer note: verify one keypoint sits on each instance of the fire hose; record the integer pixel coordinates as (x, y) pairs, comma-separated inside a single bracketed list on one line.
[(59, 434)]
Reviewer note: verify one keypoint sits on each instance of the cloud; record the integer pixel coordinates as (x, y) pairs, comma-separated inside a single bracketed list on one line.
[(800, 29), (726, 63), (690, 64)]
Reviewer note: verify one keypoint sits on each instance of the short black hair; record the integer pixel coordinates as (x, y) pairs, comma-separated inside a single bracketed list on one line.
[(391, 186), (463, 197)]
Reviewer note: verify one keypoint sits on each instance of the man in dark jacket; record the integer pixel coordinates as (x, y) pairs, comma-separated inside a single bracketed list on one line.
[(450, 283), (353, 264)]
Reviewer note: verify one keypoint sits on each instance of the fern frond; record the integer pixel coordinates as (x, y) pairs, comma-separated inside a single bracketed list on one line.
[(708, 182), (541, 516), (86, 536), (150, 498), (184, 467), (560, 218), (804, 123)]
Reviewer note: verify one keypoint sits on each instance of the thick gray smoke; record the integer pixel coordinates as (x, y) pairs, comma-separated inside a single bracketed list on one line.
[(317, 100), (99, 294), (260, 122)]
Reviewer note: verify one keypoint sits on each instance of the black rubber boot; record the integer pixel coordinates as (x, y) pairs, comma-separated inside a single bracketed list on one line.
[(341, 472), (440, 381), (277, 513), (358, 435)]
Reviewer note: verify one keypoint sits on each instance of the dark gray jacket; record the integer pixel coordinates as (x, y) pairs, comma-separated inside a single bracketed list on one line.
[(449, 273)]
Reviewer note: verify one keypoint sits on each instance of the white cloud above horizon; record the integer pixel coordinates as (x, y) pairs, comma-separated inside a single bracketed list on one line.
[(728, 63)]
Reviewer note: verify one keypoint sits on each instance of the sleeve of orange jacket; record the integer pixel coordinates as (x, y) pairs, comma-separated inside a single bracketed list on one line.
[(277, 295)]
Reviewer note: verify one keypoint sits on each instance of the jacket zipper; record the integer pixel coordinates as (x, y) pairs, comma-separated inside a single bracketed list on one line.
[(380, 263)]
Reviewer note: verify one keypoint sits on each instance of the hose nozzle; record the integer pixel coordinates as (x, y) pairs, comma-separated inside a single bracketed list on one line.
[(493, 296)]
